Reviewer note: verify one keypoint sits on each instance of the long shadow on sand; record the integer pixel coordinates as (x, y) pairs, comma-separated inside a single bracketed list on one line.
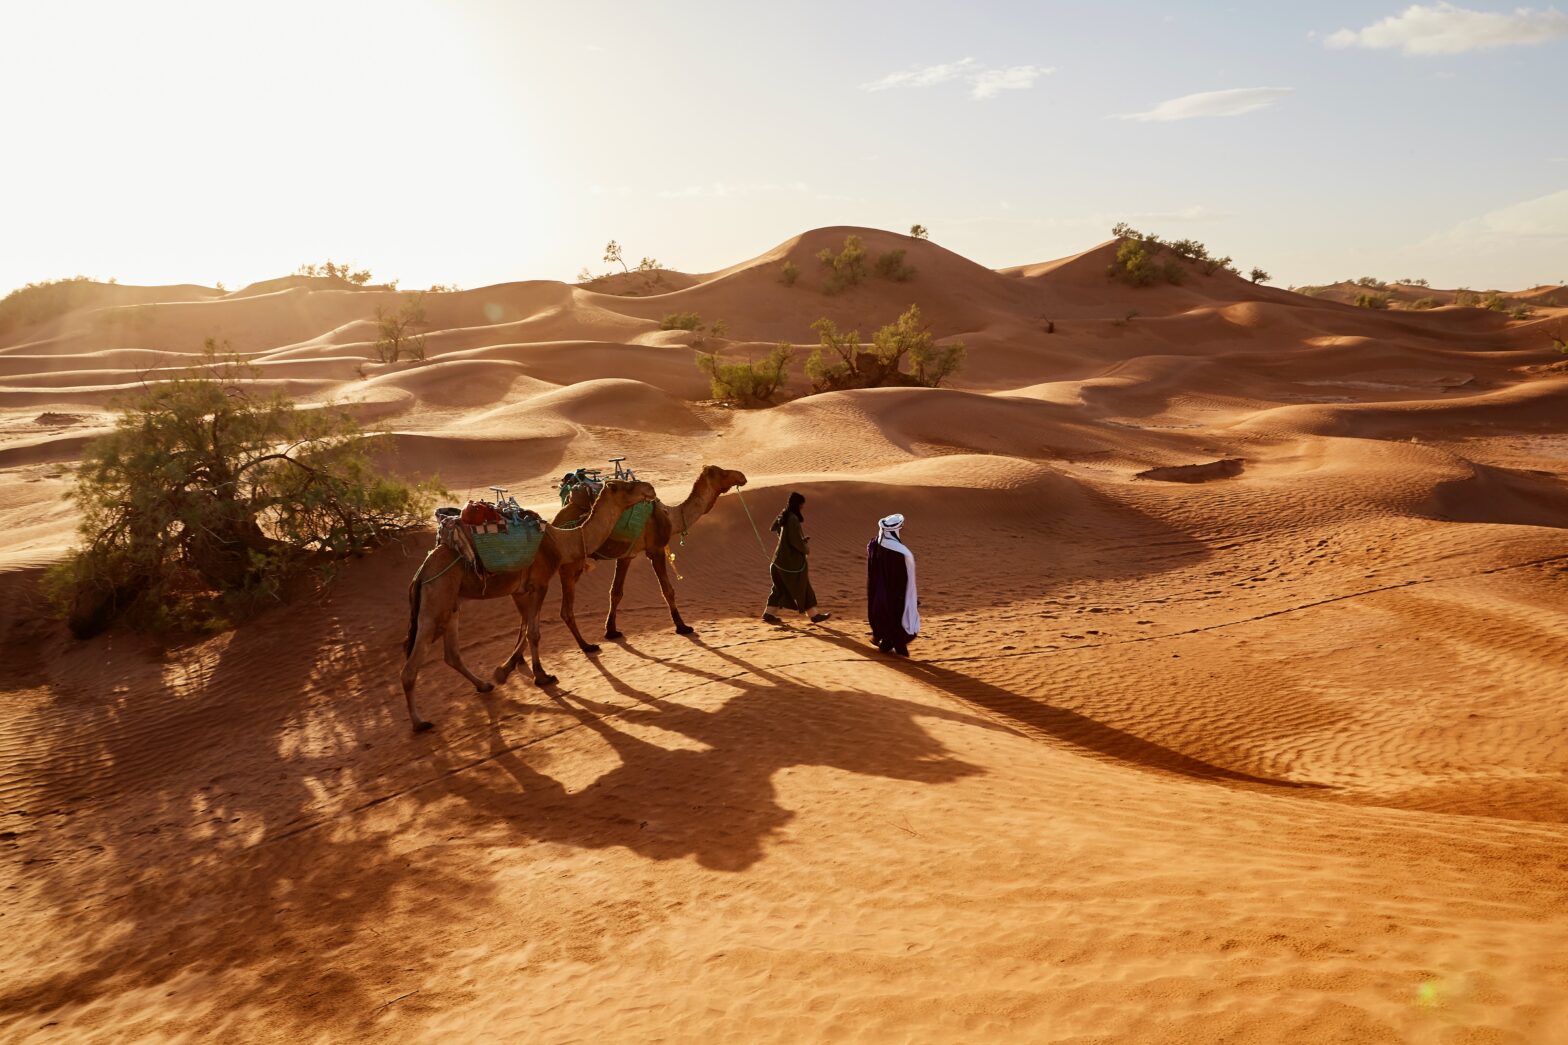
[(1053, 722), (710, 795)]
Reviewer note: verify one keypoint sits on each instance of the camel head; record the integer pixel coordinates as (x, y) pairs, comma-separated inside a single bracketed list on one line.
[(722, 479)]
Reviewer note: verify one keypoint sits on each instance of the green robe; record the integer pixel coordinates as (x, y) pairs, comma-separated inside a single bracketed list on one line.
[(791, 581)]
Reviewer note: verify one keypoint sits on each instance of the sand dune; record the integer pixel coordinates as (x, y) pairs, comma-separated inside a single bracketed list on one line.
[(1238, 715)]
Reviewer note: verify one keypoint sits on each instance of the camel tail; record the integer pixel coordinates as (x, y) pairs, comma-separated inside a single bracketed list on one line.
[(415, 591)]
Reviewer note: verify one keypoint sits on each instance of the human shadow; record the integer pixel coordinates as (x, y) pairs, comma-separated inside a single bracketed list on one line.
[(1056, 723)]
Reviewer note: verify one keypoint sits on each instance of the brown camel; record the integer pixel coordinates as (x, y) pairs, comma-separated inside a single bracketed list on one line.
[(666, 523), (443, 582)]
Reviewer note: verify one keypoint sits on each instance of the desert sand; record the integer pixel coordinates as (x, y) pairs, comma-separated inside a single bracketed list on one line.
[(1239, 713)]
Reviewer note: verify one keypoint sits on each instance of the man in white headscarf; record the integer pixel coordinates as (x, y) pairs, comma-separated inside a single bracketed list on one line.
[(892, 601)]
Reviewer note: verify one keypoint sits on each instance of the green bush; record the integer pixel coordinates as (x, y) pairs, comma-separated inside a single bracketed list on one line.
[(839, 362), (332, 270), (1465, 298), (890, 265), (1521, 311), (1371, 301), (789, 274), (681, 321), (1257, 275), (833, 363), (1422, 304), (919, 232), (1138, 264), (750, 383), (845, 269), (1370, 281), (1495, 302), (207, 494)]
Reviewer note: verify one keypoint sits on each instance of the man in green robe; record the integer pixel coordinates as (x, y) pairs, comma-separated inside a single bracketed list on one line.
[(791, 579)]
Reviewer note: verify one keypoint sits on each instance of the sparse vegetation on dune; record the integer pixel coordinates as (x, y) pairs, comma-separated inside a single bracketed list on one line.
[(208, 494), (749, 383), (37, 302), (651, 268), (1145, 260), (789, 273), (331, 270), (839, 362), (1371, 300), (1422, 304), (397, 333), (891, 265), (919, 232), (680, 321), (845, 269)]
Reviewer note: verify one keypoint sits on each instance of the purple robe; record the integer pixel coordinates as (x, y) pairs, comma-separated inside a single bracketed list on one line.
[(887, 575)]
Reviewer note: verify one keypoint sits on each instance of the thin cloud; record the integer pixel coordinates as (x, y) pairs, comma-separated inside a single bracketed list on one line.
[(1443, 28), (984, 81), (1236, 101), (1543, 219)]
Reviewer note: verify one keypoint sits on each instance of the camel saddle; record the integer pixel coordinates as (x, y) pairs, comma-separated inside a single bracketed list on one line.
[(504, 545)]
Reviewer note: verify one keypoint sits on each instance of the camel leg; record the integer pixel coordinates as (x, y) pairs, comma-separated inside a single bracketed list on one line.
[(455, 658), (661, 567), (617, 589), (536, 610), (519, 599), (569, 578)]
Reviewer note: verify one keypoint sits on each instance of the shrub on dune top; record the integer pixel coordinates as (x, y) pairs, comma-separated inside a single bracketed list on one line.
[(845, 269), (839, 362)]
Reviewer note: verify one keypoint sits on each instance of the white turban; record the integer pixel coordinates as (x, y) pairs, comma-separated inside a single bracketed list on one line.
[(891, 525)]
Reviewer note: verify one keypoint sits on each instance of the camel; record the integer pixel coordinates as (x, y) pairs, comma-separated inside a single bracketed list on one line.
[(664, 524), (443, 582)]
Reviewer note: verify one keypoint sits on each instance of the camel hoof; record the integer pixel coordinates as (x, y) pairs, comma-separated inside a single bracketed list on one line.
[(500, 675), (421, 726), (612, 634), (545, 680), (485, 687), (590, 650), (685, 629)]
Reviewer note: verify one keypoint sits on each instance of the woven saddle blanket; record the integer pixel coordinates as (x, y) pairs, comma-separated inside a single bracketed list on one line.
[(496, 547), (628, 528)]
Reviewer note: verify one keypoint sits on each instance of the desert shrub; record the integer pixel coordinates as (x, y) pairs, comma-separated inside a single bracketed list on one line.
[(1190, 248), (789, 273), (1413, 282), (839, 361), (396, 335), (1213, 265), (1422, 304), (1257, 275), (38, 302), (919, 232), (1310, 292), (845, 269), (208, 494), (332, 270), (1560, 340), (681, 321), (750, 383), (833, 363), (1495, 302), (612, 255), (1466, 298), (1138, 264), (890, 265), (443, 288), (1370, 281), (1371, 300), (1521, 311)]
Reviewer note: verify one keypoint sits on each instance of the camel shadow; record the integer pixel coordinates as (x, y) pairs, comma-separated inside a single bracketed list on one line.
[(1057, 723), (709, 795)]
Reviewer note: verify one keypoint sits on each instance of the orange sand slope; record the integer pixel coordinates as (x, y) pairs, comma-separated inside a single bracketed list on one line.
[(1239, 715)]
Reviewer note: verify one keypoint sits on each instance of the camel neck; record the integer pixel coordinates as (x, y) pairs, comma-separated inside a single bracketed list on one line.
[(698, 503)]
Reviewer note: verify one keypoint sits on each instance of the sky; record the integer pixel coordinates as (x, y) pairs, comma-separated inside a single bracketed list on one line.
[(473, 142)]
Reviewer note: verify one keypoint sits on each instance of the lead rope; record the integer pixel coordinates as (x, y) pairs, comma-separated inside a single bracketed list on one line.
[(760, 546)]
